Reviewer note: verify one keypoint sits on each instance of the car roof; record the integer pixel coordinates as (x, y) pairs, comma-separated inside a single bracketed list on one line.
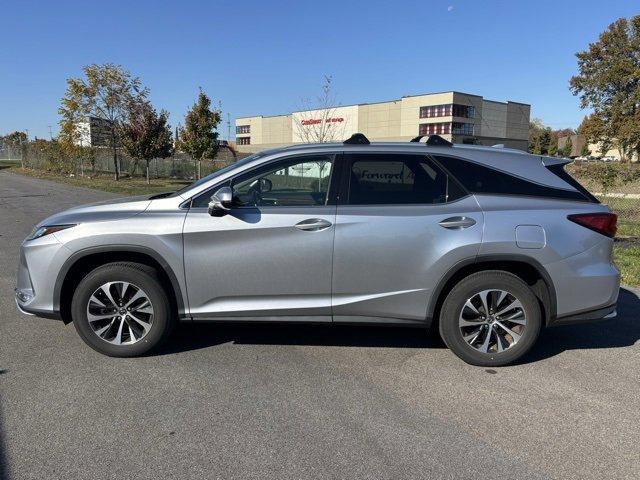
[(509, 160)]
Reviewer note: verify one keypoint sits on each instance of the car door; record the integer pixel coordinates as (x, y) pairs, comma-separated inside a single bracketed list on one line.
[(270, 256), (401, 222)]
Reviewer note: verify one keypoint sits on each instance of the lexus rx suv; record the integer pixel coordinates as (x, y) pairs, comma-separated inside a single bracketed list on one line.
[(485, 245)]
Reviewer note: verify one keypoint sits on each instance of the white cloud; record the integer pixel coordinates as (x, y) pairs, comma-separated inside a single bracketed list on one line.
[(450, 8)]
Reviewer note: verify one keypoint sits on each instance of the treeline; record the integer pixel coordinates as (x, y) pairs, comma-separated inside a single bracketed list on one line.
[(128, 121), (543, 140), (110, 93)]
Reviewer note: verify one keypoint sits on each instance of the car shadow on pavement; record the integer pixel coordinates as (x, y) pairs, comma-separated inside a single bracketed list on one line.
[(622, 331), (202, 335)]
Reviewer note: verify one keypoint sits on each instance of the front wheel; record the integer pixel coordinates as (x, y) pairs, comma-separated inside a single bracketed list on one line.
[(490, 319), (121, 310)]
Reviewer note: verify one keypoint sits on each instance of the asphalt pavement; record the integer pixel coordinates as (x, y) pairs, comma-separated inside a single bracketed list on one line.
[(301, 402)]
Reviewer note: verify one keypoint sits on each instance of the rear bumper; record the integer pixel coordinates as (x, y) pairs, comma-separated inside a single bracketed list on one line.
[(586, 282), (605, 313)]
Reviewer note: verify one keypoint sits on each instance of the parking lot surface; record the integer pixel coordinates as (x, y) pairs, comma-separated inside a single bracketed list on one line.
[(272, 401)]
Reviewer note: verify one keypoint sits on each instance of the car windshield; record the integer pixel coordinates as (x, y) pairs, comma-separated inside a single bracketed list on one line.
[(221, 171)]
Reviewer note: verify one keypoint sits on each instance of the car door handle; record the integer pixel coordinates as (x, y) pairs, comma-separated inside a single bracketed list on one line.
[(313, 224), (457, 223)]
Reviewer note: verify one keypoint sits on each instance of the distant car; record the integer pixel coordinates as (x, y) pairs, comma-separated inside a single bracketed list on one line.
[(486, 245), (608, 158)]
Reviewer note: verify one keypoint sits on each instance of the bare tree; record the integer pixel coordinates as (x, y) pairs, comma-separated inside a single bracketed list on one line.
[(317, 122)]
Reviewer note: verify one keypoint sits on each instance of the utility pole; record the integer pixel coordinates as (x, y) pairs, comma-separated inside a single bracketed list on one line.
[(23, 149), (228, 127), (50, 134)]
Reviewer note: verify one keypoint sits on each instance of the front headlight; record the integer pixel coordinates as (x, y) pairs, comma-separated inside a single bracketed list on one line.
[(47, 229)]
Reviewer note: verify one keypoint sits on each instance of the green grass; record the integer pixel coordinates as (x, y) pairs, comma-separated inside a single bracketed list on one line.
[(628, 261), (627, 228), (6, 163), (124, 186)]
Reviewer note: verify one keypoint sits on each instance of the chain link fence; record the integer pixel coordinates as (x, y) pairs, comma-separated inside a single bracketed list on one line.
[(10, 153), (616, 185), (99, 161)]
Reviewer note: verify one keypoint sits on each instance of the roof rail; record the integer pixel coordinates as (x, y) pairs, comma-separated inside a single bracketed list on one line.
[(357, 139), (433, 140)]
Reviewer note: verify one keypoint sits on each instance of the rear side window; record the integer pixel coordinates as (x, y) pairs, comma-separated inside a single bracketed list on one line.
[(482, 179), (379, 179), (564, 175)]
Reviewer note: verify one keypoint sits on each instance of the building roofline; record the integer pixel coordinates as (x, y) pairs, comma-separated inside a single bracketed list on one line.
[(384, 101), (440, 93)]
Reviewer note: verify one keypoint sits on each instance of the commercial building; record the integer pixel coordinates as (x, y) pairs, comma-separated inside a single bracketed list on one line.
[(458, 117), (93, 132)]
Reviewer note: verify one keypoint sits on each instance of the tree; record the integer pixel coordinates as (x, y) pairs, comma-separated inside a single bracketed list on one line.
[(584, 151), (553, 147), (567, 147), (199, 137), (317, 122), (545, 141), (609, 83), (539, 137), (146, 134), (17, 140), (106, 93)]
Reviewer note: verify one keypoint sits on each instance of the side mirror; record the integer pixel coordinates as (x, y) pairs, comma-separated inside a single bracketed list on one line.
[(221, 201)]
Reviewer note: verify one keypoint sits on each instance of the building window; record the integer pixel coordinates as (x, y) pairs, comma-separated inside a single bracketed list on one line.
[(435, 111), (462, 128), (241, 129), (448, 110), (434, 129), (465, 111), (244, 141)]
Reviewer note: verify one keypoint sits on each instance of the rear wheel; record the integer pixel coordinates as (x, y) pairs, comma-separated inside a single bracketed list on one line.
[(490, 319), (121, 310)]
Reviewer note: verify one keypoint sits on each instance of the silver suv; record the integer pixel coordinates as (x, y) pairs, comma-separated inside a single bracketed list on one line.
[(485, 245)]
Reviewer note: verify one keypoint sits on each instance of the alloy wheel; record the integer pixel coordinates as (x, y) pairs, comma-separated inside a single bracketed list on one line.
[(120, 313), (492, 321)]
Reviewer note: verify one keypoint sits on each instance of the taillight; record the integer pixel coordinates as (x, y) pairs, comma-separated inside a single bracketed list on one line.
[(604, 223)]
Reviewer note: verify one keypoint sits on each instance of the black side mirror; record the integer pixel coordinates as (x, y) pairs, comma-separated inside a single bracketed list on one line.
[(221, 201)]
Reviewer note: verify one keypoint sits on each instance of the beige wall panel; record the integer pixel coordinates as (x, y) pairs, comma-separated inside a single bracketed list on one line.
[(410, 114), (493, 119), (518, 115)]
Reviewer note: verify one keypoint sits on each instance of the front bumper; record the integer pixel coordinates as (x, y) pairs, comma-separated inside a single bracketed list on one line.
[(40, 262), (35, 312), (605, 313)]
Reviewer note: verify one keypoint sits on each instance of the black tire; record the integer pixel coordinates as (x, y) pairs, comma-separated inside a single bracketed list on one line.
[(454, 303), (142, 276)]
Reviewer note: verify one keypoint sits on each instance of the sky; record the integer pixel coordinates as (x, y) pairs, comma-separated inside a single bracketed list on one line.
[(265, 57)]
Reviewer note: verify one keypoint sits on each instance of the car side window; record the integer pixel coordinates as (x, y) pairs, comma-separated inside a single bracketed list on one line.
[(396, 179), (300, 181), (483, 179)]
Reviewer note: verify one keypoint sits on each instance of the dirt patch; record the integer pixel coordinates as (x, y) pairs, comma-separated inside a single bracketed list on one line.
[(626, 242)]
